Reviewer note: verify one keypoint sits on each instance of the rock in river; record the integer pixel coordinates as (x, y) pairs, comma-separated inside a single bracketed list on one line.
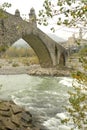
[(14, 117)]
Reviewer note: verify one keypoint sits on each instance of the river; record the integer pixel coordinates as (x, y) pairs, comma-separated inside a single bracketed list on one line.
[(44, 97)]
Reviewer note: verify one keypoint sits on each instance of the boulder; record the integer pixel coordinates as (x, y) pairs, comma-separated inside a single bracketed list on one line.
[(13, 117)]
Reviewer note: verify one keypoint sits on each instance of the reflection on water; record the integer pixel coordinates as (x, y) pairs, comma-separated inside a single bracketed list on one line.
[(44, 96)]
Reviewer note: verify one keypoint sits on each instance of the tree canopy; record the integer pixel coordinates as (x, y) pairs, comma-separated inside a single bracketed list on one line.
[(3, 7), (67, 12)]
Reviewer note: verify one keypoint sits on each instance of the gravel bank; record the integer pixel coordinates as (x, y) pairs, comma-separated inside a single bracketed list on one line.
[(35, 70)]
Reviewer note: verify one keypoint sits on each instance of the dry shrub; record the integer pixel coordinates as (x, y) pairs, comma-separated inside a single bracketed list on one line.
[(15, 64), (20, 52), (34, 60)]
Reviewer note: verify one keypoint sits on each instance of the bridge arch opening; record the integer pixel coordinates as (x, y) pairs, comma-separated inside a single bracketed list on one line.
[(21, 50), (22, 45), (62, 59)]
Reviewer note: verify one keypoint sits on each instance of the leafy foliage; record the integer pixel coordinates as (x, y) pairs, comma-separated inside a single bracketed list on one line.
[(3, 48), (77, 108), (3, 7), (67, 12), (6, 5), (83, 51), (71, 13)]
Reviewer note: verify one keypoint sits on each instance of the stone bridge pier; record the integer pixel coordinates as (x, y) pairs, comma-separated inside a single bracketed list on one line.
[(49, 52)]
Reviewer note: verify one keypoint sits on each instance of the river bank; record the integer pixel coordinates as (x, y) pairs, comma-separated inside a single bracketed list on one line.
[(11, 66), (18, 66), (35, 70)]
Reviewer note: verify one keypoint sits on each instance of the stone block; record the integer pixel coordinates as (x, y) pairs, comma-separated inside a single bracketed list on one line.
[(15, 120), (16, 109), (5, 113), (9, 125)]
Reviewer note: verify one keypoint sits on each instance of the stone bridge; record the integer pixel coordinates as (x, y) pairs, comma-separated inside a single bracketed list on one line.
[(13, 27)]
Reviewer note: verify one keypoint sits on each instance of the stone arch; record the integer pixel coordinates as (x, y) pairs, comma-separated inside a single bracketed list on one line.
[(62, 59), (40, 49)]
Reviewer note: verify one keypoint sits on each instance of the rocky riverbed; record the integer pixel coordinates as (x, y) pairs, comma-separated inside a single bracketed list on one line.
[(35, 70), (17, 66), (13, 117)]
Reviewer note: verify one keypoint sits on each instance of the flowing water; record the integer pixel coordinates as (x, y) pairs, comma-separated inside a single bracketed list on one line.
[(42, 96)]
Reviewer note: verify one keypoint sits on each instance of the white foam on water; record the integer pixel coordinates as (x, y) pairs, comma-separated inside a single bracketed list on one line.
[(51, 92), (64, 127), (62, 116), (17, 101), (66, 81), (55, 122), (52, 124)]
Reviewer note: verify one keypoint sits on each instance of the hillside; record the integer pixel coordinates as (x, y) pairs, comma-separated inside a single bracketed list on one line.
[(21, 44)]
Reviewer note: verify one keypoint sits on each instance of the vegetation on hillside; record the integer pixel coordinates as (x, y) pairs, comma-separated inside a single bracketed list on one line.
[(19, 52), (17, 56)]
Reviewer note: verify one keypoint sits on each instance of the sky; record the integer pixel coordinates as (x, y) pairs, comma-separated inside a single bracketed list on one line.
[(24, 7)]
